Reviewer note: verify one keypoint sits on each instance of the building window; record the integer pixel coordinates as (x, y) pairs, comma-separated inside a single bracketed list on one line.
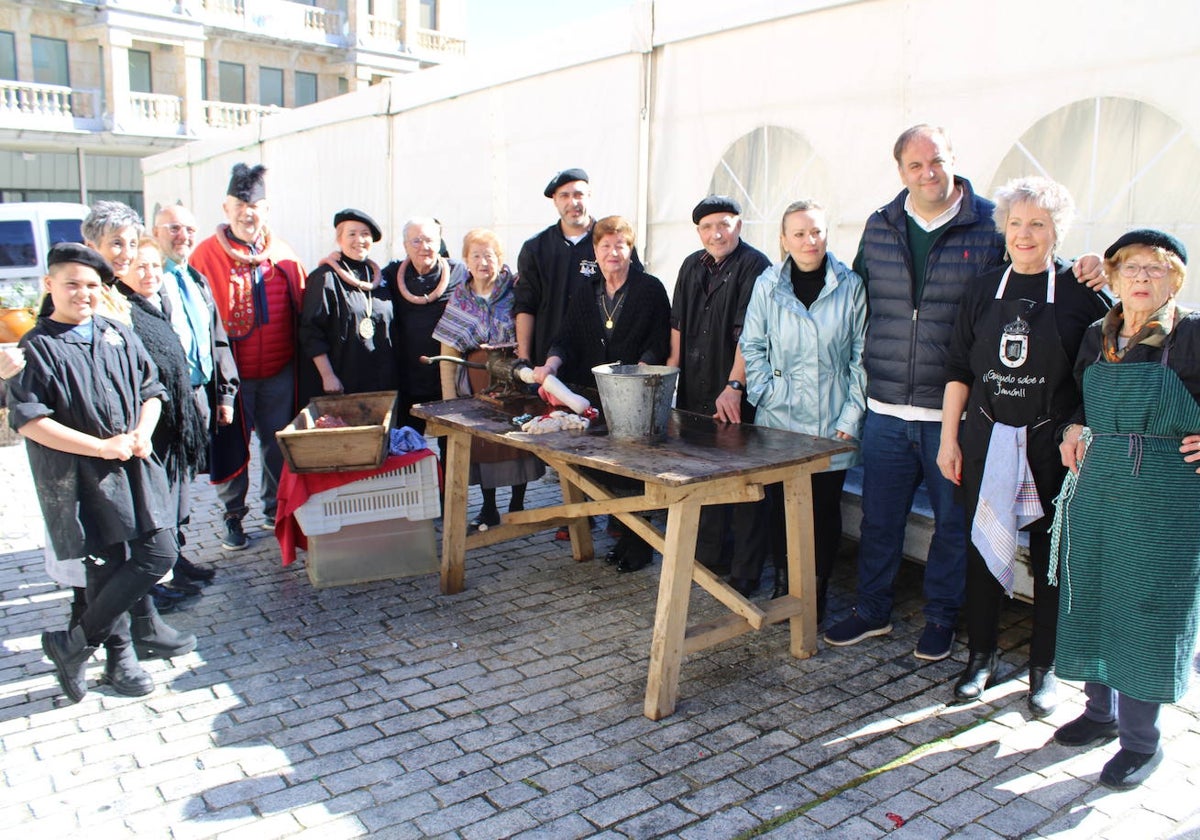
[(270, 86), (139, 72), (306, 88), (429, 17), (50, 61), (343, 85), (8, 56), (231, 82), (204, 79)]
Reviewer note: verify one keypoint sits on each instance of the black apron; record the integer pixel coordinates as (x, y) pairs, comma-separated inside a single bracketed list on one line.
[(1023, 377)]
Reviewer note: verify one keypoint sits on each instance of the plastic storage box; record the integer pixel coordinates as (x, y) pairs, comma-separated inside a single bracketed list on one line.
[(392, 548), (410, 493)]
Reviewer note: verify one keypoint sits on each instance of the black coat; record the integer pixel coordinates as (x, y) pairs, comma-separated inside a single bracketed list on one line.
[(642, 332)]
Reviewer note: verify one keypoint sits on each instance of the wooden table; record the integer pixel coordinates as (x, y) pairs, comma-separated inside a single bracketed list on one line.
[(701, 462)]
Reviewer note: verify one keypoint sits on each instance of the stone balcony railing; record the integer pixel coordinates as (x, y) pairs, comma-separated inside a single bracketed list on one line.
[(429, 40), (276, 18), (29, 105), (235, 115), (384, 31), (155, 113)]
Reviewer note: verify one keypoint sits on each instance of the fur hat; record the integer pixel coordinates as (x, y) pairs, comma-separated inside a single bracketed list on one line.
[(246, 183)]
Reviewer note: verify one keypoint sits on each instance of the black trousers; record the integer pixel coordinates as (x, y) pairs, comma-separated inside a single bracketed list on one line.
[(985, 596), (827, 524), (737, 532), (120, 576)]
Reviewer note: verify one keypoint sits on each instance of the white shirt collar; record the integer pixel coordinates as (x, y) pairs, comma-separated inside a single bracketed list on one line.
[(937, 221)]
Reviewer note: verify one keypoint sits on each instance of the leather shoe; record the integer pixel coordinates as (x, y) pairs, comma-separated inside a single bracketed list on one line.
[(781, 582), (1128, 769), (192, 572), (614, 555), (635, 558), (744, 586), (1083, 731), (1043, 691), (181, 585), (980, 674)]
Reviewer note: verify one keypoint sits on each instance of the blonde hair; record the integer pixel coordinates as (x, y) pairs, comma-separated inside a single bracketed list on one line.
[(483, 236)]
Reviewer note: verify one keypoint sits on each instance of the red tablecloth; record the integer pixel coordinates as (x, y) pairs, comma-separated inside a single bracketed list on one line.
[(295, 488)]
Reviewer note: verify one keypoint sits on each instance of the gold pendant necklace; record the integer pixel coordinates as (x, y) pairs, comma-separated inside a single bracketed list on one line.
[(608, 316)]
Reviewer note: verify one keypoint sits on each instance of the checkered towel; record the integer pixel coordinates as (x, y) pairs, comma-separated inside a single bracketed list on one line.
[(1008, 501)]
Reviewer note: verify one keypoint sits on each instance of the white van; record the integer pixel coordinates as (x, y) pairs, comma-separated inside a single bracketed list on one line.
[(26, 233)]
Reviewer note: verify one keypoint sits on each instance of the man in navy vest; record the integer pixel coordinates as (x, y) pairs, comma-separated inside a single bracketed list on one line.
[(916, 257)]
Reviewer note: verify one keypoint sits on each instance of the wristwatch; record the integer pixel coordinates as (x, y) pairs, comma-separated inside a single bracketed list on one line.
[(735, 385)]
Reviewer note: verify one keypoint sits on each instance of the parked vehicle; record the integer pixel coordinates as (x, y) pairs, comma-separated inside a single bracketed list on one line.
[(27, 231)]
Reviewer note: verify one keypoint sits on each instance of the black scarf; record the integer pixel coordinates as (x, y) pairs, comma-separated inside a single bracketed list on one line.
[(180, 439)]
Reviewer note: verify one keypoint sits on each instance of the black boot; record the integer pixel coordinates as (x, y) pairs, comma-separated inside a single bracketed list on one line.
[(188, 570), (153, 638), (1043, 691), (979, 675), (122, 670), (781, 582), (69, 651)]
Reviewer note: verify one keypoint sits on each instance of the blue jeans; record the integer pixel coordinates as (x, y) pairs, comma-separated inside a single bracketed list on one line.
[(268, 405), (897, 455)]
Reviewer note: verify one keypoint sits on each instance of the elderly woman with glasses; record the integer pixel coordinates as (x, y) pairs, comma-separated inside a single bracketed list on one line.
[(1126, 529), (1009, 368)]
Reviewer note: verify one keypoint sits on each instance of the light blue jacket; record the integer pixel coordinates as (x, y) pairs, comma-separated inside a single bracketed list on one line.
[(804, 367)]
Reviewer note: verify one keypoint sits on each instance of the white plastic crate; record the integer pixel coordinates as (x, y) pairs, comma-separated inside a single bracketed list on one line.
[(407, 493)]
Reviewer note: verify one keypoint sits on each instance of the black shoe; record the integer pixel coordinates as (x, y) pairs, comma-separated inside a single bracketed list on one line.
[(183, 586), (979, 675), (153, 638), (744, 586), (635, 558), (1043, 691), (1128, 769), (781, 582), (486, 519), (160, 591), (69, 651), (235, 537), (192, 572), (614, 555), (1083, 731)]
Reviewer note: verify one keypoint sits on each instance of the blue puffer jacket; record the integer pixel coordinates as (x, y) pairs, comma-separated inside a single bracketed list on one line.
[(907, 341), (804, 368)]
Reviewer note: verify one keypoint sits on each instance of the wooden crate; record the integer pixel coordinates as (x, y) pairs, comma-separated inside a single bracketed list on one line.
[(360, 445)]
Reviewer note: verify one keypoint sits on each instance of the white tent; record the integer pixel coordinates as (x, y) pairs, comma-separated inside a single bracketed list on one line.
[(664, 101)]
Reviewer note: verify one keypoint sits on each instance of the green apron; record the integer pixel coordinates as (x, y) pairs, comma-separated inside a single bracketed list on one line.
[(1129, 537)]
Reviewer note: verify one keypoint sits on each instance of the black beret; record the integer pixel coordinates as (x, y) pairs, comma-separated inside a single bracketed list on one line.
[(715, 204), (564, 177), (246, 183), (1151, 238), (352, 215), (73, 252)]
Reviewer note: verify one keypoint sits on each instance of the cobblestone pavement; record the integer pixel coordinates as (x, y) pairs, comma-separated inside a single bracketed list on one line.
[(514, 710)]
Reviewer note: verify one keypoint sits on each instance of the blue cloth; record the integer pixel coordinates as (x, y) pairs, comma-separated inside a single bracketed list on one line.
[(405, 439), (1008, 501), (190, 320), (897, 454)]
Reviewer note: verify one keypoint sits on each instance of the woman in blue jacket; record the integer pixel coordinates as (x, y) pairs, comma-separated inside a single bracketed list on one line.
[(803, 343)]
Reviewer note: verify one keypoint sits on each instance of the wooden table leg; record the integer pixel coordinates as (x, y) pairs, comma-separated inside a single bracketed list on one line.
[(454, 515), (801, 561), (670, 619), (581, 533)]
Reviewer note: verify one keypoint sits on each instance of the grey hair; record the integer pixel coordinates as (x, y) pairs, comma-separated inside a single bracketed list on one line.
[(800, 206), (426, 222), (106, 217), (1041, 192)]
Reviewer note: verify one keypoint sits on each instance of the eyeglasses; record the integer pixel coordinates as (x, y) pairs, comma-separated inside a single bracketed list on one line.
[(1155, 271), (175, 230), (420, 241)]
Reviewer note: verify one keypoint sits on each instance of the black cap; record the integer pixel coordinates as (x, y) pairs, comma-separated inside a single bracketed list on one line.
[(352, 215), (1150, 238), (73, 252), (564, 177), (246, 183), (715, 204)]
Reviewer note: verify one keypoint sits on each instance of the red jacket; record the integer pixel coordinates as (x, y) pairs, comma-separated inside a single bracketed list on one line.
[(261, 346)]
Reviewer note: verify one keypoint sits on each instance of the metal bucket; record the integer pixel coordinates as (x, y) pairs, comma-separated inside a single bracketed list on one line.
[(636, 399)]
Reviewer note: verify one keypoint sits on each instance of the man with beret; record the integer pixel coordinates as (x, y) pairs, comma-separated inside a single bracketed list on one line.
[(916, 257), (87, 402), (707, 309), (257, 284)]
